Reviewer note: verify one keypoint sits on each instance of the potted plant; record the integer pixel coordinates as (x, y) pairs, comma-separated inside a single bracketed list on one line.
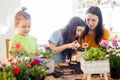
[(48, 54), (94, 61), (36, 69), (22, 66), (22, 69), (114, 58)]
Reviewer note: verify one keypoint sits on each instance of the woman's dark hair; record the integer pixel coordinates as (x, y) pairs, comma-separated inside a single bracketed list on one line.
[(69, 32), (99, 30)]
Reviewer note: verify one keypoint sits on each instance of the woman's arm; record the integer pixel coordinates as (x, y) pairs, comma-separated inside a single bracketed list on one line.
[(59, 49)]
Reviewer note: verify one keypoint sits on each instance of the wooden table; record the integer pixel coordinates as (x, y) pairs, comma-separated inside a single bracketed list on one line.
[(77, 77)]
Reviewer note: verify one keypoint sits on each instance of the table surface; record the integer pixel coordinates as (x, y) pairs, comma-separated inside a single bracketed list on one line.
[(75, 76)]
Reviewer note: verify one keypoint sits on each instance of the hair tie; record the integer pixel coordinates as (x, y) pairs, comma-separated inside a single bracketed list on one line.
[(24, 8)]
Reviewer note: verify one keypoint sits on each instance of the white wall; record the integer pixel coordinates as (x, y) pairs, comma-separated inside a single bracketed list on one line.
[(47, 16), (7, 10)]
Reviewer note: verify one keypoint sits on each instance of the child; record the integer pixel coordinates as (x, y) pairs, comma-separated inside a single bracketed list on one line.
[(22, 25)]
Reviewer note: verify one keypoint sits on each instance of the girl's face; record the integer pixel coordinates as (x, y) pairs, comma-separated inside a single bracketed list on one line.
[(23, 27), (92, 21), (79, 30)]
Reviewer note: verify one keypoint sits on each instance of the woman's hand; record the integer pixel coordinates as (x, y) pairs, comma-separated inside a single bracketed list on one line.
[(74, 45), (58, 49)]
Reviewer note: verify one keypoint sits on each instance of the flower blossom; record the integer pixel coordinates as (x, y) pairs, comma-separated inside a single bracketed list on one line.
[(114, 43), (17, 47), (35, 62), (103, 43), (48, 48), (85, 45), (29, 65), (39, 59), (16, 70), (3, 63)]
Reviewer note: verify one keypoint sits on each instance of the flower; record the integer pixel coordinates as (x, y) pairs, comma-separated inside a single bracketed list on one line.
[(17, 47), (16, 70), (104, 43), (35, 62), (37, 69), (39, 59), (96, 53), (21, 70), (114, 42), (47, 52), (29, 65), (114, 54), (21, 66), (85, 45), (48, 48), (18, 51)]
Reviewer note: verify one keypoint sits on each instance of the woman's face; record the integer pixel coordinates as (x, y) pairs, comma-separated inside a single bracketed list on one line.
[(92, 21), (79, 30)]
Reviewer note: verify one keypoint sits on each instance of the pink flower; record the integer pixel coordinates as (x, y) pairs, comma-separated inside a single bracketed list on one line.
[(114, 43), (48, 48), (3, 63), (85, 45), (103, 43)]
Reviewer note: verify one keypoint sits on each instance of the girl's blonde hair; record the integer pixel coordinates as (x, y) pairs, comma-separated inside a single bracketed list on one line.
[(22, 14)]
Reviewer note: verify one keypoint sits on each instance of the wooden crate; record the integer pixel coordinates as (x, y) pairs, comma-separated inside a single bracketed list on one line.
[(95, 67)]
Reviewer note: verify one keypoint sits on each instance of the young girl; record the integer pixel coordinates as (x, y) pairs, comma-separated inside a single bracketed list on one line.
[(22, 25), (64, 41)]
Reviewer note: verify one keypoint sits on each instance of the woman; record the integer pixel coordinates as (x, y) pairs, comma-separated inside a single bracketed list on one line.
[(64, 41), (95, 29)]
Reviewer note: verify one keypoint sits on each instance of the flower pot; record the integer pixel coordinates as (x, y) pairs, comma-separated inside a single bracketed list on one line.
[(36, 78), (50, 65), (115, 72), (95, 67)]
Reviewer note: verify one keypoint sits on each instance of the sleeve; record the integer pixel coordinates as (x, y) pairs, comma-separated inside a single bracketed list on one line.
[(55, 37), (106, 34)]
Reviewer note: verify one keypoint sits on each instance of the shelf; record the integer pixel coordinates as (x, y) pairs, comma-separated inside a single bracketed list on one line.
[(101, 6)]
